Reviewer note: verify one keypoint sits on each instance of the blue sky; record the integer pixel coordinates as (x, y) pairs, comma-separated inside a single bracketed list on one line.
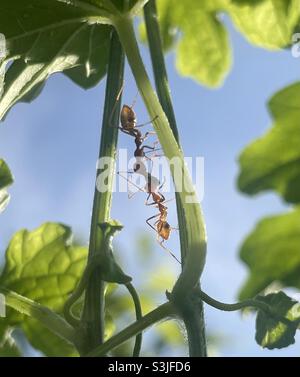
[(51, 146)]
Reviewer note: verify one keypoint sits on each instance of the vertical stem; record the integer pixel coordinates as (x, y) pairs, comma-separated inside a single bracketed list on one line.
[(194, 316), (93, 311), (164, 95)]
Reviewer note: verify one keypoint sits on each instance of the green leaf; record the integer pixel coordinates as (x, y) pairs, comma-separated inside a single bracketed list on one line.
[(43, 266), (277, 331), (266, 23), (94, 47), (273, 161), (47, 342), (285, 103), (6, 179), (48, 37), (203, 51), (271, 252)]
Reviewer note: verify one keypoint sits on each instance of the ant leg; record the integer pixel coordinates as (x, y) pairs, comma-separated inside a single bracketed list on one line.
[(126, 132), (156, 155), (148, 198), (148, 147), (149, 204), (154, 150), (133, 184), (151, 150), (169, 251), (149, 122), (148, 134), (167, 201), (151, 218), (162, 184)]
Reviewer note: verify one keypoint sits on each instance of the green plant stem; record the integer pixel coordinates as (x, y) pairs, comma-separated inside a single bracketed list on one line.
[(138, 315), (93, 311), (194, 219), (193, 317), (138, 7), (44, 315), (195, 326), (164, 95), (236, 306), (162, 312)]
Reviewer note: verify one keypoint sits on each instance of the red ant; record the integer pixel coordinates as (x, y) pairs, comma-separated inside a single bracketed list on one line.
[(161, 226), (129, 127)]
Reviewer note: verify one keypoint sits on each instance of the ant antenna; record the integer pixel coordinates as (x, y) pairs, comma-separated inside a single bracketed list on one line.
[(135, 99), (116, 103)]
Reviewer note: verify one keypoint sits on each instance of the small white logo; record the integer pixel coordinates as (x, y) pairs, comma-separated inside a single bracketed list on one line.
[(296, 45), (2, 46), (2, 306)]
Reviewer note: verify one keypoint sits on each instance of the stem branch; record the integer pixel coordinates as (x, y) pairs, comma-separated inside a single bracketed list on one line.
[(158, 314)]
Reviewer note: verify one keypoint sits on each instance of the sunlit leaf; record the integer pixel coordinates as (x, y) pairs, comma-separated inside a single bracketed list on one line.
[(6, 180), (44, 266), (273, 161), (47, 37), (45, 341), (266, 23), (285, 103), (272, 253), (273, 332), (202, 48), (203, 52)]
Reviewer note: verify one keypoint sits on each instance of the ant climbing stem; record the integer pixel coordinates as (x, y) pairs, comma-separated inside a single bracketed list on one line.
[(128, 119), (152, 187), (130, 127), (163, 228)]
